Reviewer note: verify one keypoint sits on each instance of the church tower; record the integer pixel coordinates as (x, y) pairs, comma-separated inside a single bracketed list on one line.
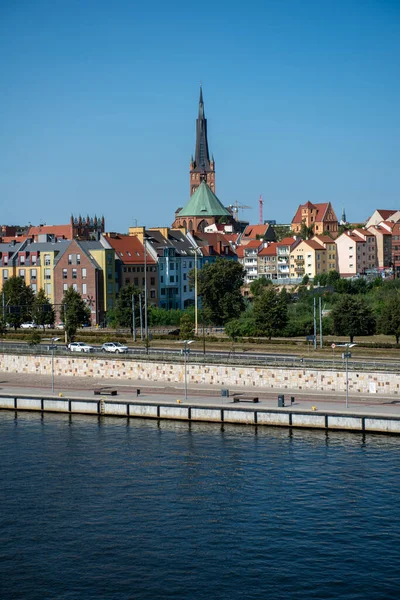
[(201, 167)]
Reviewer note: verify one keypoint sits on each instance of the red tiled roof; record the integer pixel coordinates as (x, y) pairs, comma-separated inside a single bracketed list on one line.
[(252, 244), (314, 244), (385, 214), (288, 241), (60, 231), (240, 251), (252, 231), (269, 250), (129, 249)]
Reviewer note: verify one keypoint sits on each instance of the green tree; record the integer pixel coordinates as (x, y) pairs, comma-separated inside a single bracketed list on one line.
[(42, 310), (76, 312), (270, 312), (305, 280), (19, 299), (123, 307), (233, 329), (258, 285), (352, 316), (186, 327), (219, 285), (306, 232), (389, 322), (281, 231), (333, 276)]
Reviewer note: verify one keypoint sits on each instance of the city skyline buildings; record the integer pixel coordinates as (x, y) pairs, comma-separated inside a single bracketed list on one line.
[(99, 103)]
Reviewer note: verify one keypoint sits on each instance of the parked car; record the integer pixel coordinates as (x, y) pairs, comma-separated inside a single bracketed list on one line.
[(115, 347), (80, 347), (60, 326), (28, 325)]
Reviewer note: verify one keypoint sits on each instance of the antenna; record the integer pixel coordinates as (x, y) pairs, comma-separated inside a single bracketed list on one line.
[(261, 209)]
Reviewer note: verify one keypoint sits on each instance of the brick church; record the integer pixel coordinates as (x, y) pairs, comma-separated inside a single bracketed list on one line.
[(203, 208)]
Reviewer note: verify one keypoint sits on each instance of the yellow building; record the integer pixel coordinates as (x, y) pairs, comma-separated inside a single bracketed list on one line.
[(308, 258)]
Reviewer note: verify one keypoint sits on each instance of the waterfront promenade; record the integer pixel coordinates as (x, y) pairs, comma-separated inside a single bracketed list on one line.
[(157, 392)]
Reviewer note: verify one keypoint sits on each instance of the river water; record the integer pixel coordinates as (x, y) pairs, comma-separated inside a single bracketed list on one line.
[(118, 509)]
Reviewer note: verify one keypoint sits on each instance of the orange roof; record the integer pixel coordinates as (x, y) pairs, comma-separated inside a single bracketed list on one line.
[(253, 244), (240, 251), (64, 231), (252, 231), (129, 249), (324, 238), (313, 244), (288, 241), (269, 250), (385, 214)]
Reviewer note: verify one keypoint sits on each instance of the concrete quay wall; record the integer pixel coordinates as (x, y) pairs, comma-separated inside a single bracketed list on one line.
[(214, 414), (221, 376)]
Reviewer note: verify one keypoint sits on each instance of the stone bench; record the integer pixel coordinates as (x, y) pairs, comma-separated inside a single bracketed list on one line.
[(244, 398), (104, 391)]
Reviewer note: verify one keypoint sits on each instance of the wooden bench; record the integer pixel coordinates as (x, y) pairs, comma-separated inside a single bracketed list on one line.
[(104, 391), (244, 398)]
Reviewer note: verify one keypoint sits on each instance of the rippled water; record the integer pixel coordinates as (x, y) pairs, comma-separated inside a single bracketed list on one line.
[(116, 509)]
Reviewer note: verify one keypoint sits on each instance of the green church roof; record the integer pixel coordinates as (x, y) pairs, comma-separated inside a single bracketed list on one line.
[(204, 203)]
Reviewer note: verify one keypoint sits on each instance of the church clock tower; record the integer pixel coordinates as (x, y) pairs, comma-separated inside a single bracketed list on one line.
[(201, 167)]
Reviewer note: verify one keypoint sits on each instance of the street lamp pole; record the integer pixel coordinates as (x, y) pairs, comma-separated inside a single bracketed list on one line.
[(52, 340), (185, 353), (346, 355)]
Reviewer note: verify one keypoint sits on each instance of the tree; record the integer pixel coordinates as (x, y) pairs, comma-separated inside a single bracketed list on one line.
[(42, 310), (305, 280), (270, 312), (219, 285), (233, 329), (76, 312), (123, 306), (389, 322), (258, 285), (186, 327), (281, 231), (352, 316), (306, 232), (19, 299)]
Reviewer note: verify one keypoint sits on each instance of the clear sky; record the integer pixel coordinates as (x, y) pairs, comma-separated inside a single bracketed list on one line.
[(99, 99)]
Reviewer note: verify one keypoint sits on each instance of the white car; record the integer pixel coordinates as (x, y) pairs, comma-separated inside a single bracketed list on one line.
[(115, 347), (28, 325), (80, 347), (60, 326)]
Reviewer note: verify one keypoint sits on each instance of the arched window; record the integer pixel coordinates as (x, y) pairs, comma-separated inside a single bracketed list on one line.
[(190, 225)]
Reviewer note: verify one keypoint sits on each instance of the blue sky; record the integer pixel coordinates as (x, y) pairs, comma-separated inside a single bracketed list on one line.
[(99, 101)]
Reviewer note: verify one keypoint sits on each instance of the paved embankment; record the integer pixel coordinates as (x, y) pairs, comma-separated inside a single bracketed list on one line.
[(319, 410)]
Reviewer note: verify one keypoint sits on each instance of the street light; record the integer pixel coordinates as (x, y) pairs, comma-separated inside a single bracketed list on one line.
[(52, 340), (185, 352), (346, 355)]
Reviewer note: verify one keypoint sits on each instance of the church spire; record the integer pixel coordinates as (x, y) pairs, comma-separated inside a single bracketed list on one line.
[(201, 168)]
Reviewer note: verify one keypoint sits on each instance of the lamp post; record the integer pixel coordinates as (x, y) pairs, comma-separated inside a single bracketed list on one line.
[(346, 355), (52, 340), (185, 352)]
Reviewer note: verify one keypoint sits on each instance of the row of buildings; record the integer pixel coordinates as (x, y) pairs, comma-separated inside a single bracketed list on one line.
[(97, 263)]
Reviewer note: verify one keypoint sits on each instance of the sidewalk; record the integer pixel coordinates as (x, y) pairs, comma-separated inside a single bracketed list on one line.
[(80, 387)]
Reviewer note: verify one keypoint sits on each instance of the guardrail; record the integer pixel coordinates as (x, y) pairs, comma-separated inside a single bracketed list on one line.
[(256, 360)]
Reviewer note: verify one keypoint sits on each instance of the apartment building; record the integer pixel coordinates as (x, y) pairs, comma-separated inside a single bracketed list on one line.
[(356, 252), (329, 244), (307, 258), (267, 262), (321, 217), (248, 257)]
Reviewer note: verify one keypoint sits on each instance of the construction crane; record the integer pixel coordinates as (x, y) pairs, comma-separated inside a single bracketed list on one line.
[(261, 210), (235, 209)]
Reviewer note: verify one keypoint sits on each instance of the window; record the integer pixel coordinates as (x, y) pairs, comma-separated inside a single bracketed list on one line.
[(47, 273), (162, 267), (184, 264), (162, 291), (22, 260), (70, 259), (84, 273), (152, 294), (172, 279), (33, 274), (74, 274), (142, 269), (109, 259), (162, 279), (152, 281), (184, 288), (142, 280), (48, 289), (190, 264), (47, 260), (65, 287), (75, 287), (33, 287), (110, 288), (109, 273), (184, 276), (84, 288), (78, 259), (21, 273), (65, 273), (136, 281)]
